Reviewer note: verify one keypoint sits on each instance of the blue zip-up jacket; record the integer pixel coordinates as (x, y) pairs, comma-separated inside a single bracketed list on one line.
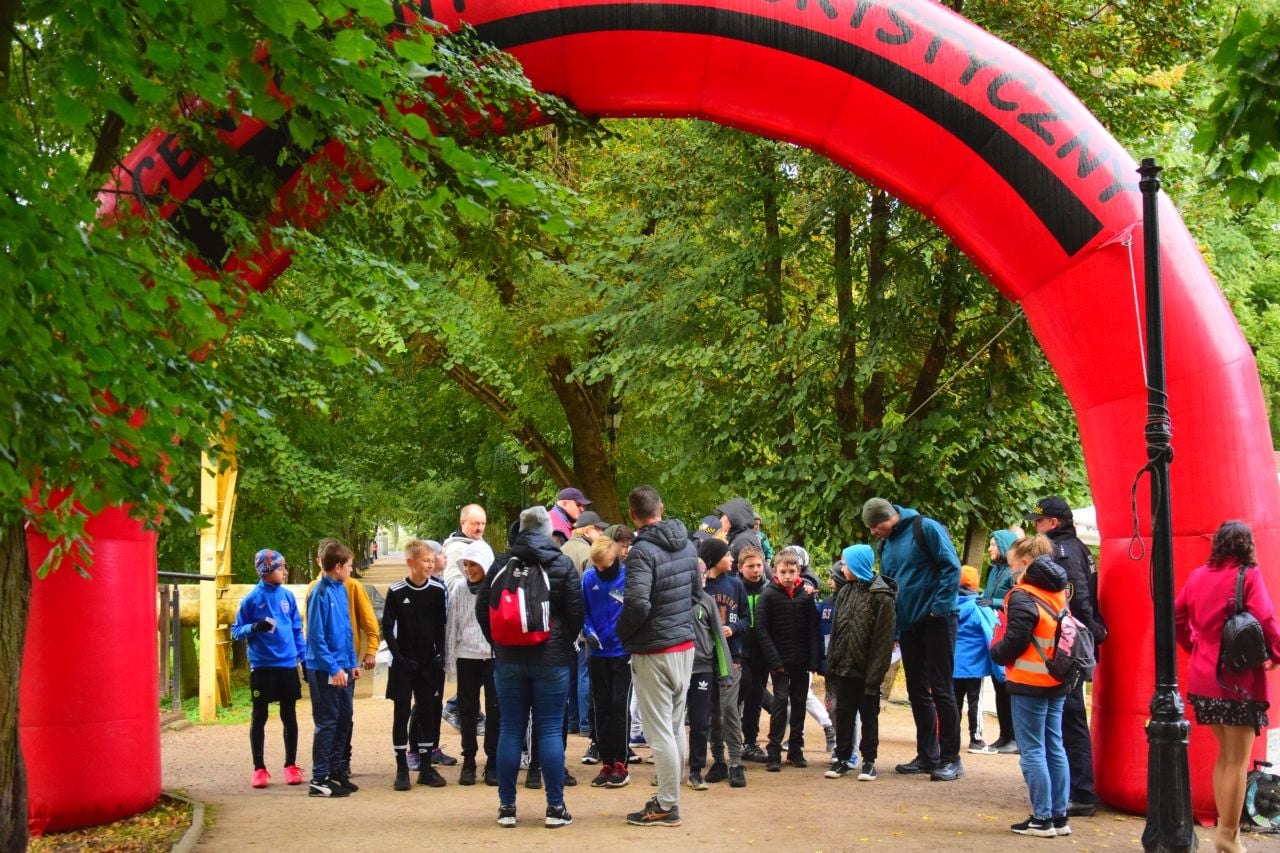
[(922, 590), (330, 640), (975, 629), (283, 647), (730, 597), (601, 607)]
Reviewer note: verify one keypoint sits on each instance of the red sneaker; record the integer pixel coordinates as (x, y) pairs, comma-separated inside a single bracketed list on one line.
[(261, 779), (293, 775)]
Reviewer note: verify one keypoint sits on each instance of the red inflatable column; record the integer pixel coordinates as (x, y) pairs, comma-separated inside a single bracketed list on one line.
[(89, 714)]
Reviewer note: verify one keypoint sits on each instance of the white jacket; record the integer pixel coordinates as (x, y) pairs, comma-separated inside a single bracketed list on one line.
[(463, 637)]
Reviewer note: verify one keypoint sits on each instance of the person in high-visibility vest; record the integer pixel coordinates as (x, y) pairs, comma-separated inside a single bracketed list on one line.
[(1024, 641)]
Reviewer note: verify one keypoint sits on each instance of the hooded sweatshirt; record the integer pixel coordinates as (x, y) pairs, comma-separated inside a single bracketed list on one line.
[(710, 652), (661, 588), (1022, 614), (923, 591), (975, 629), (731, 598), (742, 525), (999, 580), (281, 647)]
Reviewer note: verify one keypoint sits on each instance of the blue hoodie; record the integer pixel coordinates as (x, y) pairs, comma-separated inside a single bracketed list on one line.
[(283, 647), (974, 632), (601, 607), (922, 590), (330, 640)]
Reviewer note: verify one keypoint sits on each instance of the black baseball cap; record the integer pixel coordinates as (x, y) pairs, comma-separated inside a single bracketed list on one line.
[(1052, 507)]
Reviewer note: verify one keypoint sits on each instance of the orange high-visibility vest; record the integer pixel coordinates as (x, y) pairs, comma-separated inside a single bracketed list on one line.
[(1029, 668)]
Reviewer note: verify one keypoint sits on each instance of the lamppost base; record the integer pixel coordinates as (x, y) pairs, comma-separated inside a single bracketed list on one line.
[(1170, 826)]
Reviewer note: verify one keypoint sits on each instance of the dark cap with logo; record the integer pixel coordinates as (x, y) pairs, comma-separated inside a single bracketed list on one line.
[(1053, 507), (572, 494), (589, 519)]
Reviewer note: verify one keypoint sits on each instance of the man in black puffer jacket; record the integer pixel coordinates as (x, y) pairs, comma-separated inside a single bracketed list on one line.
[(656, 629)]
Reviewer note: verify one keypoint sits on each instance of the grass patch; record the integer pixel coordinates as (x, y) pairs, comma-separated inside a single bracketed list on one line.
[(157, 829), (240, 711)]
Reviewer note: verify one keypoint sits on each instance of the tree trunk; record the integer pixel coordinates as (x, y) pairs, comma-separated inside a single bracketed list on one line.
[(15, 604), (189, 681), (940, 346), (846, 390), (584, 408), (877, 282)]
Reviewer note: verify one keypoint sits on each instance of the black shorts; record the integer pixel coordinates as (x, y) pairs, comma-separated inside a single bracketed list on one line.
[(275, 684)]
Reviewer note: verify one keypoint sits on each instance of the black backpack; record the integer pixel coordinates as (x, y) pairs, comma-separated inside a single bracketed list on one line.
[(1073, 658), (1244, 647), (917, 533), (520, 605)]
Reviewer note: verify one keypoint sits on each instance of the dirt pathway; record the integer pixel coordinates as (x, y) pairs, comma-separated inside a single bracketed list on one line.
[(791, 810)]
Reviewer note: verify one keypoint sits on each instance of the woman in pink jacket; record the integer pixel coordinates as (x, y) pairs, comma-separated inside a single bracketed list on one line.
[(1233, 705)]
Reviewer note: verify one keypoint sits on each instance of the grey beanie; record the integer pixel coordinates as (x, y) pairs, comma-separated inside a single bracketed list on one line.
[(877, 511), (536, 518)]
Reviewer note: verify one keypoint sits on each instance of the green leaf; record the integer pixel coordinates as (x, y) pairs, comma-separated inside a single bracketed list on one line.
[(417, 126), (377, 11), (71, 112), (353, 45), (421, 51), (469, 209), (208, 12)]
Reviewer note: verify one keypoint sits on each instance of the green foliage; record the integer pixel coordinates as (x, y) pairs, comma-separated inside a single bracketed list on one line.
[(1241, 128)]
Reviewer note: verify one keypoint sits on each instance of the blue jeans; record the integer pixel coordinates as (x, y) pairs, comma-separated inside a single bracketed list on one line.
[(1038, 722), (541, 689), (331, 709)]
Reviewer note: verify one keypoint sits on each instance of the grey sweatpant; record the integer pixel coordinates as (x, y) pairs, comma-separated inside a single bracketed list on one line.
[(661, 683), (726, 719)]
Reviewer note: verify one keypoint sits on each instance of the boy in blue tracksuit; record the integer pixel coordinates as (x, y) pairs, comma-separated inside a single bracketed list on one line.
[(269, 621), (331, 664), (608, 663), (975, 628)]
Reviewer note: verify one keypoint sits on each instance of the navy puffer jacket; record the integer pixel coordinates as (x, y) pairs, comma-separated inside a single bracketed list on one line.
[(662, 587)]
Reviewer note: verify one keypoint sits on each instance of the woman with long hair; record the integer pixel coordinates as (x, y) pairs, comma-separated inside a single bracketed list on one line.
[(1233, 705)]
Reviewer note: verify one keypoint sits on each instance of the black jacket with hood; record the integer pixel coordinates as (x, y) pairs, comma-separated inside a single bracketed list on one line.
[(661, 589), (862, 630), (742, 525), (1082, 578), (1022, 614), (533, 545)]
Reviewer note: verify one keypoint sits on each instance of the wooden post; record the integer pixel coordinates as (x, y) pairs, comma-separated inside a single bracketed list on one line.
[(218, 504)]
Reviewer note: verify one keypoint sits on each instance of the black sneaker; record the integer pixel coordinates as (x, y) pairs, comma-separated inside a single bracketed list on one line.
[(467, 775), (490, 776), (557, 816), (345, 781), (696, 782), (917, 765), (1009, 748), (947, 771), (718, 773), (632, 757), (839, 770), (653, 814), (439, 757), (507, 816), (773, 763), (533, 779), (796, 759), (737, 776), (619, 778), (1040, 827), (868, 772), (402, 779), (570, 781), (754, 753), (326, 788), (1060, 826), (1081, 809), (428, 775), (592, 755)]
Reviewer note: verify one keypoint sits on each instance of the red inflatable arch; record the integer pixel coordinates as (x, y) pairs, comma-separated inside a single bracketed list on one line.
[(908, 95)]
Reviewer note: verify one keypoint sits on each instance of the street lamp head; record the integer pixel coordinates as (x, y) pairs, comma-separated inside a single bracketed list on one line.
[(524, 468), (613, 414)]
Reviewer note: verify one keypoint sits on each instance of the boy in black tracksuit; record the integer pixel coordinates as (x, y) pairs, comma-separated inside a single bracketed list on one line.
[(789, 641), (755, 671), (413, 626), (730, 596)]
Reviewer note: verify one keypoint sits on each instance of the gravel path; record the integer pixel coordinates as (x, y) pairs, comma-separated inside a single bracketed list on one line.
[(791, 810)]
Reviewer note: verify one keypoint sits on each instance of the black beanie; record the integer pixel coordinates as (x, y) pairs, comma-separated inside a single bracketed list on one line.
[(712, 551)]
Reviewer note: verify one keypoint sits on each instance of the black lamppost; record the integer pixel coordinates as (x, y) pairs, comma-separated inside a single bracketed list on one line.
[(613, 420), (1169, 820), (524, 472)]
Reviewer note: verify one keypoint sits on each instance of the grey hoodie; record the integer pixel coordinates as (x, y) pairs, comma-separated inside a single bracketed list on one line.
[(742, 529)]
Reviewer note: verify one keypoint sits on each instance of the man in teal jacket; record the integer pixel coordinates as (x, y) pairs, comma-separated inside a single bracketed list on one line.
[(917, 553)]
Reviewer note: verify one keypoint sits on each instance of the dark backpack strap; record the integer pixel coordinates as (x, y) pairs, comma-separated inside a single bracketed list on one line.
[(1239, 607), (1240, 589), (1057, 618), (917, 530)]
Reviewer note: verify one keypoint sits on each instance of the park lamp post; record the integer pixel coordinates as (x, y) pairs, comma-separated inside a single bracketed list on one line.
[(1169, 819), (524, 472), (613, 420)]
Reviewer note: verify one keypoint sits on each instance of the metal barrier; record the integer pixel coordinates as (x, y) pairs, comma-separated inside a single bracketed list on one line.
[(170, 617)]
